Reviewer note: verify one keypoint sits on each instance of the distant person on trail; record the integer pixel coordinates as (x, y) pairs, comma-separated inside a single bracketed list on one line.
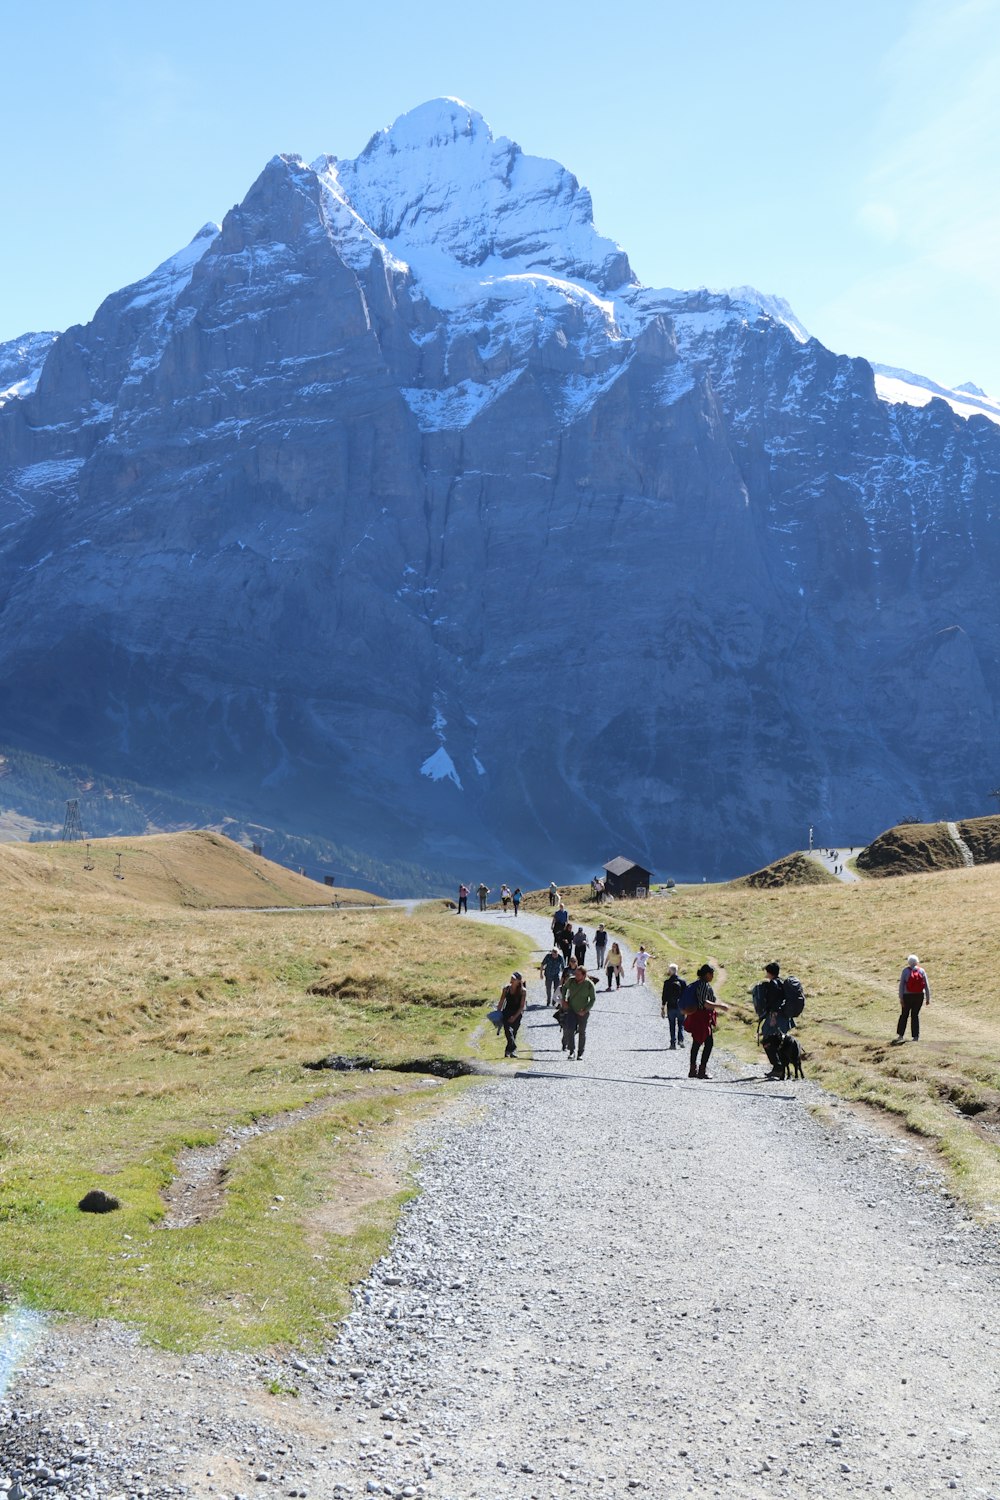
[(513, 999), (482, 893), (613, 967), (600, 945), (504, 896), (914, 989), (581, 997), (700, 1005), (639, 964), (517, 898), (580, 945), (551, 970), (559, 919), (673, 988), (463, 900), (553, 894)]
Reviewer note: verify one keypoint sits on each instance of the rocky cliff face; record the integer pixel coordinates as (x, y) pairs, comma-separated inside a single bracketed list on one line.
[(396, 510)]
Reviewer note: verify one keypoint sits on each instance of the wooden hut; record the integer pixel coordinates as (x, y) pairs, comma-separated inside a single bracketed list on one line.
[(623, 877)]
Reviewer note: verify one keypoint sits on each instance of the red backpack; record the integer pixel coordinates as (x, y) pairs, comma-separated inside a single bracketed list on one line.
[(916, 981)]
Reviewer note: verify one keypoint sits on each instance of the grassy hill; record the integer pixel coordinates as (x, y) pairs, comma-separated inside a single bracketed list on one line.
[(793, 869), (912, 848), (197, 868)]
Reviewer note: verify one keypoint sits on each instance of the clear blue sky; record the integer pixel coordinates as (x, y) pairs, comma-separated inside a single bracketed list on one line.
[(846, 157)]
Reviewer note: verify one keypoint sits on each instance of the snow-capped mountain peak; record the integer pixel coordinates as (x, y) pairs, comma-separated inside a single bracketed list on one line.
[(438, 184)]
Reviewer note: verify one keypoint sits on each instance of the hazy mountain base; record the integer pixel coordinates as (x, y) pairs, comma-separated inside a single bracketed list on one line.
[(34, 792)]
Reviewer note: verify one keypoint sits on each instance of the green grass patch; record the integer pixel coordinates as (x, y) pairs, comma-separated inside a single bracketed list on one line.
[(127, 1035)]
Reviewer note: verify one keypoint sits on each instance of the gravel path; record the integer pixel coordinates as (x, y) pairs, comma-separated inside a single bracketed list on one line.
[(837, 864), (615, 1281)]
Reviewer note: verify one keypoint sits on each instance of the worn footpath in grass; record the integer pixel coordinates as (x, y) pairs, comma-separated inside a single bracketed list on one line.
[(128, 1030), (848, 943)]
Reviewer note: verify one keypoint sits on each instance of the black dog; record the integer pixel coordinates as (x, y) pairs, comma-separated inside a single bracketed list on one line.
[(789, 1057)]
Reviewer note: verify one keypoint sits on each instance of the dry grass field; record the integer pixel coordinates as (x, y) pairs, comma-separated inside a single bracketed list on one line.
[(135, 1020), (197, 868), (848, 943)]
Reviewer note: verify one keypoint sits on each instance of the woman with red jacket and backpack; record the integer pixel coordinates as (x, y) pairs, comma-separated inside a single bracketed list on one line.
[(914, 989), (699, 1005)]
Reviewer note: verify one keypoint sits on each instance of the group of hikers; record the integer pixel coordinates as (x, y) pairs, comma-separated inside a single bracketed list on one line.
[(508, 898), (691, 1008)]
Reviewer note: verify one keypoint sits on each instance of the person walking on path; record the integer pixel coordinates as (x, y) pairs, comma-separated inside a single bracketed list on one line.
[(673, 988), (613, 967), (551, 968), (553, 894), (505, 896), (482, 893), (580, 945), (513, 999), (775, 1022), (639, 964), (600, 945), (581, 997), (463, 900), (517, 898), (564, 941), (914, 989), (700, 1008)]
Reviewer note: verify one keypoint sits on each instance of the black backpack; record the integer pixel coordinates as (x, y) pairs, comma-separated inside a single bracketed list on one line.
[(795, 997)]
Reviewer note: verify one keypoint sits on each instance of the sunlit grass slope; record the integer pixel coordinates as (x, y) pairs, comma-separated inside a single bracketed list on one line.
[(130, 1028)]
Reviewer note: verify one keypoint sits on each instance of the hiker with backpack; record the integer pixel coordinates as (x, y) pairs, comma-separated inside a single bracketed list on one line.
[(482, 892), (774, 1021), (700, 1007), (673, 988), (513, 999), (551, 970), (581, 997), (914, 989), (777, 1002), (580, 945)]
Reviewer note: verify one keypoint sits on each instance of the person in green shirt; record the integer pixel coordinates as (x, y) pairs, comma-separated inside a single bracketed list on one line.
[(581, 997)]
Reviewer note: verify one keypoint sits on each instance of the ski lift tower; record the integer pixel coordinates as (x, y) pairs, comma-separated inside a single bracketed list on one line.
[(72, 827)]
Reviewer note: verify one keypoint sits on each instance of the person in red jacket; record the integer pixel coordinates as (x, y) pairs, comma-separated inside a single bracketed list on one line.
[(700, 1008)]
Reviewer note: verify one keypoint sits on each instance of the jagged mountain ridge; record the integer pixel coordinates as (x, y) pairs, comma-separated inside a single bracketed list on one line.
[(396, 509)]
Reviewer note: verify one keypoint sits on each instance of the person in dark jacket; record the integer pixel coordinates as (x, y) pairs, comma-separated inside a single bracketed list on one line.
[(600, 945), (513, 999), (700, 1008), (774, 1019), (673, 987), (580, 945)]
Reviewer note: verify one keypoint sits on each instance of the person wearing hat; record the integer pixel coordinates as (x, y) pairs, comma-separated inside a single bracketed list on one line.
[(513, 999), (580, 997), (914, 989)]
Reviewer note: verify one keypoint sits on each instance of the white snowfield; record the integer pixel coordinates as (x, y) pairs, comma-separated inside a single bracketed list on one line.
[(500, 253)]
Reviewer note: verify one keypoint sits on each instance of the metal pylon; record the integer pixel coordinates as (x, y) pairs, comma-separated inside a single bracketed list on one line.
[(72, 828)]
